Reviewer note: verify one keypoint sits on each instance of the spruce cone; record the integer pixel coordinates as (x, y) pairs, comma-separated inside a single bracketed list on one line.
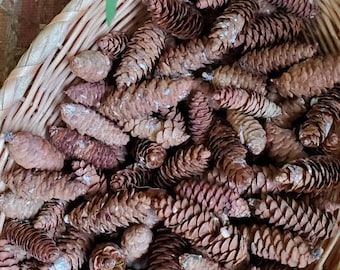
[(331, 145), (309, 175), (249, 130), (107, 256), (184, 164), (35, 242), (75, 146), (89, 122), (187, 24), (194, 262), (113, 44), (88, 94), (10, 255), (143, 50), (300, 8), (234, 76), (296, 216), (165, 250), (200, 117), (282, 144), (149, 154), (250, 103), (309, 78), (267, 60), (214, 4)]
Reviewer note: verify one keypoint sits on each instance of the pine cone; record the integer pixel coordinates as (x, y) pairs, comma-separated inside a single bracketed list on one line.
[(267, 60), (214, 197), (89, 122), (107, 256), (309, 175), (113, 44), (309, 78), (143, 50), (187, 24), (88, 94), (16, 207), (234, 76), (282, 144), (33, 264), (10, 255), (296, 216), (331, 145), (300, 8), (35, 242), (200, 117), (149, 154), (282, 246), (250, 103), (249, 130), (184, 164), (214, 4), (193, 262), (75, 146)]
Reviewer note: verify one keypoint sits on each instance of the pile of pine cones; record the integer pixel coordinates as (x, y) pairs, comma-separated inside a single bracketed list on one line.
[(207, 140)]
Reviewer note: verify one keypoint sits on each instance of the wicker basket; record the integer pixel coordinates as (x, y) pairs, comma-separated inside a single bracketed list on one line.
[(33, 90)]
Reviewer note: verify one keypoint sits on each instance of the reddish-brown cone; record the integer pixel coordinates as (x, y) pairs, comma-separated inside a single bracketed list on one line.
[(113, 44), (300, 8), (107, 256)]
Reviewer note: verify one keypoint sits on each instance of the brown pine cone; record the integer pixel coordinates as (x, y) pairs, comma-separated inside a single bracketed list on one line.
[(75, 146), (308, 175), (200, 117), (281, 246), (234, 76), (300, 8), (14, 206), (33, 264), (214, 4), (113, 44), (35, 242), (266, 60), (149, 154), (187, 24), (249, 130), (320, 118), (143, 50), (165, 250), (250, 103), (282, 144), (309, 78), (214, 197), (331, 145), (88, 94), (189, 261), (132, 176), (107, 256), (89, 122), (296, 216), (10, 255), (184, 164)]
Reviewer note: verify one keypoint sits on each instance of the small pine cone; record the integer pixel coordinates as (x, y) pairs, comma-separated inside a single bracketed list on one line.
[(16, 207), (331, 145), (214, 197), (281, 246), (89, 122), (149, 154), (308, 175), (10, 255), (143, 50), (113, 44), (187, 24), (132, 176), (249, 130), (104, 213), (44, 185), (214, 4), (267, 60), (282, 144), (200, 117), (234, 76), (35, 242), (75, 146), (143, 127), (300, 8), (309, 78), (184, 164), (88, 94), (193, 262), (250, 103), (296, 216), (136, 241), (91, 66), (165, 250), (107, 256), (50, 215)]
